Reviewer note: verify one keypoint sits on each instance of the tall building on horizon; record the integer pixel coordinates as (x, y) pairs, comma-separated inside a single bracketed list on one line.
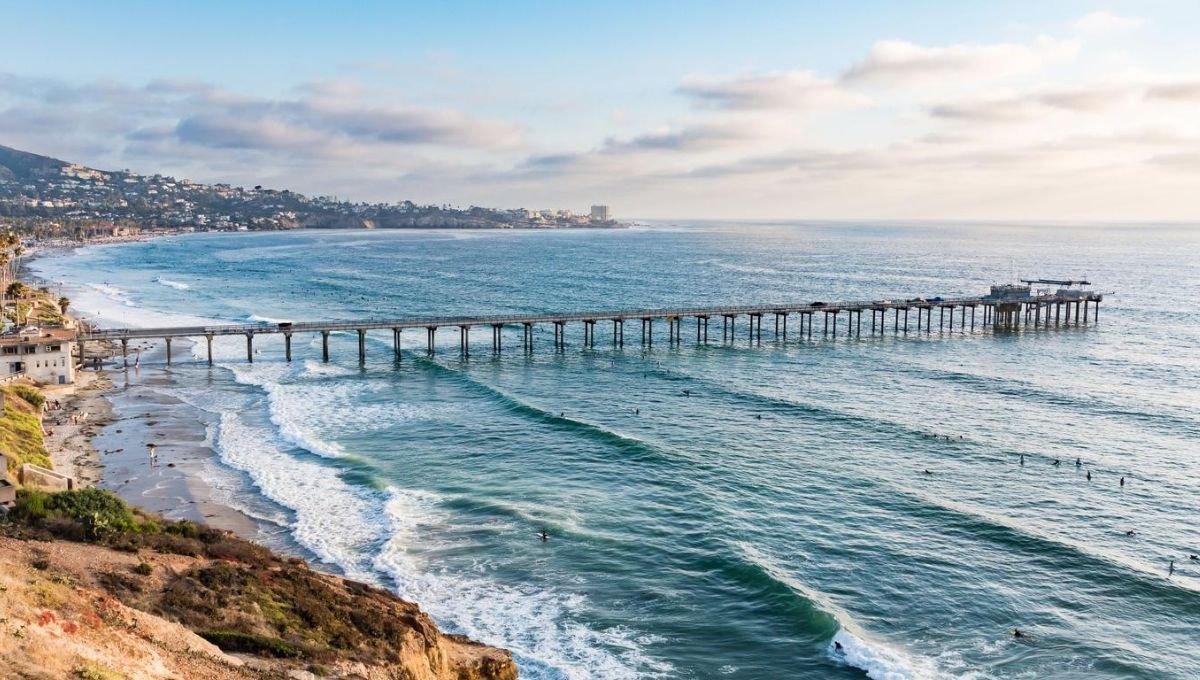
[(600, 213)]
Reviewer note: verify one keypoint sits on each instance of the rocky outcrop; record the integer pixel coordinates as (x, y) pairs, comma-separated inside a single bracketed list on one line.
[(177, 600)]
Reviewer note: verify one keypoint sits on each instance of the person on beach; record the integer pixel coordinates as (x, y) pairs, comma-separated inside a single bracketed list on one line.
[(153, 454)]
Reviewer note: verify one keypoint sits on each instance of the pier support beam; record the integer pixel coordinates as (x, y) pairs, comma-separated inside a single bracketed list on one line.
[(362, 345), (325, 346), (396, 343), (430, 332), (250, 347), (464, 340), (125, 352), (527, 337), (168, 350), (497, 333), (287, 346), (209, 339)]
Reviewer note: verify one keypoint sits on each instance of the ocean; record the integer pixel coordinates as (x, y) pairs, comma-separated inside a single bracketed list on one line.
[(720, 510)]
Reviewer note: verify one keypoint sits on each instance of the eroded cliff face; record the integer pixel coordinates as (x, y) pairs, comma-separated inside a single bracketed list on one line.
[(78, 609)]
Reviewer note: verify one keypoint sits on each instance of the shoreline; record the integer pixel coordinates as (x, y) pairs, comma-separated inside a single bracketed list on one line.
[(125, 412)]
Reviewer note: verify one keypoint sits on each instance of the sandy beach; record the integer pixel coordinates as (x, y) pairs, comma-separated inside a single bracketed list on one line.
[(98, 429), (79, 411)]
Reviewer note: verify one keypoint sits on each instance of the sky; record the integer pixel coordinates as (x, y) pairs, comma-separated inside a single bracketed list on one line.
[(1062, 111)]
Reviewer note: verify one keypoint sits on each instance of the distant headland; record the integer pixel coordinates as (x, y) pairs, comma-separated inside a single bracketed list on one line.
[(51, 198)]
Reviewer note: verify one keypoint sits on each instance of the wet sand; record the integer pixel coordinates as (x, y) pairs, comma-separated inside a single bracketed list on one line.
[(129, 409)]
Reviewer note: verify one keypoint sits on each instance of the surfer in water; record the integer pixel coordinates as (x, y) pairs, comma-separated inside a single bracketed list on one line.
[(1017, 633), (1171, 569), (1194, 558), (1122, 482), (1022, 460), (1078, 463), (1131, 532), (1056, 462), (544, 535), (1089, 475), (927, 472), (837, 647)]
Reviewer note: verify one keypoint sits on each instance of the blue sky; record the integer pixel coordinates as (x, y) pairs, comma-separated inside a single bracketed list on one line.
[(1065, 110)]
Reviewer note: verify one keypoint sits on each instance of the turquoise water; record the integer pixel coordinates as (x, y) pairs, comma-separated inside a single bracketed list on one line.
[(720, 510)]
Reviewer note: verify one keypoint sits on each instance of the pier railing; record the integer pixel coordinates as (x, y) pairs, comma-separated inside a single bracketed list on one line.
[(997, 312)]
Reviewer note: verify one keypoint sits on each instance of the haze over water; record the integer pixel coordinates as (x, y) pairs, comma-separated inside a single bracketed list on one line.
[(690, 537)]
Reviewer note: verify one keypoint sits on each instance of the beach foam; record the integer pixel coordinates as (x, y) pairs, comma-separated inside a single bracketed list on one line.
[(171, 284), (535, 623), (333, 519), (879, 662)]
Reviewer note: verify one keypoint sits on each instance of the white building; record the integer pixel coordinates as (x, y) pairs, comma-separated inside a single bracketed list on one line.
[(600, 213), (44, 355)]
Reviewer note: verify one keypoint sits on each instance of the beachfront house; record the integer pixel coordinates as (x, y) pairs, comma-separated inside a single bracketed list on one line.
[(45, 355)]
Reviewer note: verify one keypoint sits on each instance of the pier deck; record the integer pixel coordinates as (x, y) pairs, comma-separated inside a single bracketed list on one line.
[(997, 312)]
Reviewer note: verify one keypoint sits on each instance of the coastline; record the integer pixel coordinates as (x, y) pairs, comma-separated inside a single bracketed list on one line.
[(125, 412)]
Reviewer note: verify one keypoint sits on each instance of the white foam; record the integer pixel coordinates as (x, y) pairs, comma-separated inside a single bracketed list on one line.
[(331, 518), (535, 623), (255, 318), (878, 661), (171, 284)]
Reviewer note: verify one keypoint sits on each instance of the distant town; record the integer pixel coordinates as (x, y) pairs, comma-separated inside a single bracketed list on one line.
[(48, 198)]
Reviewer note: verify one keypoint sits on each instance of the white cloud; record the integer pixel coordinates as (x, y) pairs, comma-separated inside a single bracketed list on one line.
[(901, 62), (1105, 21), (792, 90)]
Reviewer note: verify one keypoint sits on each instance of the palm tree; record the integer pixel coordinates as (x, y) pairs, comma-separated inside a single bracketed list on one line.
[(63, 303)]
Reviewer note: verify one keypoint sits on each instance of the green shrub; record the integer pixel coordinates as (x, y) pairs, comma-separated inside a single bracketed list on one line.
[(144, 569), (98, 512), (245, 643), (95, 673), (30, 394)]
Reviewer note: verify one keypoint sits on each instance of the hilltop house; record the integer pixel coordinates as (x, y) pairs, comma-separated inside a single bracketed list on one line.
[(42, 354)]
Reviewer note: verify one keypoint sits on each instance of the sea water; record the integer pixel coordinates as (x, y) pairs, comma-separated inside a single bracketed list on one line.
[(720, 509)]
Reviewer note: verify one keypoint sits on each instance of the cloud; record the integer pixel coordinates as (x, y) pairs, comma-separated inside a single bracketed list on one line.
[(901, 62), (1181, 92), (791, 90), (1105, 21), (197, 113), (1088, 99)]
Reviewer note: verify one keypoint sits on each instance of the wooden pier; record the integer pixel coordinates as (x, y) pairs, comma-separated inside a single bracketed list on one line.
[(1066, 306)]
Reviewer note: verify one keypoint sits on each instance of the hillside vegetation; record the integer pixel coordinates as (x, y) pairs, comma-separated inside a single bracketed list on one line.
[(258, 615), (21, 427)]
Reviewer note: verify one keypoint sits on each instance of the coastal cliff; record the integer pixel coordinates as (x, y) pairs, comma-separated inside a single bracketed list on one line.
[(95, 589)]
